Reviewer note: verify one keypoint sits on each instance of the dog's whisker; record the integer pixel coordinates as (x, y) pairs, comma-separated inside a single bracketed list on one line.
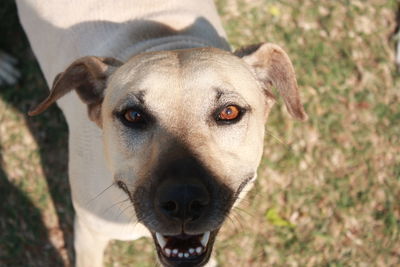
[(123, 211), (235, 222), (99, 194), (231, 220), (239, 218), (288, 146), (142, 218), (130, 226), (244, 200), (238, 209), (113, 205), (133, 223)]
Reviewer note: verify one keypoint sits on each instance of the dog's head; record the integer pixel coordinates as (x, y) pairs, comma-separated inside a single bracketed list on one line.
[(183, 133)]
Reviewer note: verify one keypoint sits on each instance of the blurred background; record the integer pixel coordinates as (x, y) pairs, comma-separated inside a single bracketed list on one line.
[(328, 192)]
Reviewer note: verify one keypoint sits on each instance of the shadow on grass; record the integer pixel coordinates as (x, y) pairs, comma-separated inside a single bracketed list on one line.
[(24, 240)]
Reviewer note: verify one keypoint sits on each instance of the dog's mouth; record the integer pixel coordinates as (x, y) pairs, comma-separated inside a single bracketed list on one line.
[(184, 249)]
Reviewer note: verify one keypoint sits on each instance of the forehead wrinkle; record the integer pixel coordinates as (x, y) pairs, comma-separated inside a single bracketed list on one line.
[(223, 94), (138, 68), (221, 90), (149, 59), (218, 94), (132, 98), (139, 95)]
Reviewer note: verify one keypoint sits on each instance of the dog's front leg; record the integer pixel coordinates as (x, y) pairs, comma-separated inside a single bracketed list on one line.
[(89, 246)]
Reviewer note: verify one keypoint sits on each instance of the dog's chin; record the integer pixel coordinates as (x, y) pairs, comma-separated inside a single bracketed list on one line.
[(184, 250)]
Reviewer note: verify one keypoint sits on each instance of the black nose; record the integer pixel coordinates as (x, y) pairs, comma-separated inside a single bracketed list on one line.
[(186, 202)]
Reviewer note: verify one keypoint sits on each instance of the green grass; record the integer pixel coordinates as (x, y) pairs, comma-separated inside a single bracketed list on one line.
[(328, 192)]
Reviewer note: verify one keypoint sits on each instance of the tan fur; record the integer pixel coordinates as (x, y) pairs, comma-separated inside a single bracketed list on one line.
[(179, 88), (273, 67), (88, 76)]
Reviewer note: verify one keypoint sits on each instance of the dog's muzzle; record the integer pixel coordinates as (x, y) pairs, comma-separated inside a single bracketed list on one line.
[(183, 204)]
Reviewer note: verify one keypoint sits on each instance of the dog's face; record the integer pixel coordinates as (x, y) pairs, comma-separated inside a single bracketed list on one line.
[(183, 133)]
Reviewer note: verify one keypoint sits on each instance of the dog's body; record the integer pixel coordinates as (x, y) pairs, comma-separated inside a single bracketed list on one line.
[(121, 174)]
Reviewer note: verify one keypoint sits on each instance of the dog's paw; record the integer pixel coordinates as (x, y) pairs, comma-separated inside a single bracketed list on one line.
[(8, 73)]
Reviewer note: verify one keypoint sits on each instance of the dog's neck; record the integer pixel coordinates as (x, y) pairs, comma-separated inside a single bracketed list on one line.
[(141, 36), (62, 31), (164, 43)]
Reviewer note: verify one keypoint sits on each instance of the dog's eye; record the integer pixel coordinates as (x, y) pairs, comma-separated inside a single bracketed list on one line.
[(229, 113), (133, 116)]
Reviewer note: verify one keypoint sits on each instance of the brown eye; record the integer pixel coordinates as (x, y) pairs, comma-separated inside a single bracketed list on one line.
[(229, 113), (133, 116)]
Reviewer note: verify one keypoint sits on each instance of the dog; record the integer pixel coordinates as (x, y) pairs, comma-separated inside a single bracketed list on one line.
[(166, 124)]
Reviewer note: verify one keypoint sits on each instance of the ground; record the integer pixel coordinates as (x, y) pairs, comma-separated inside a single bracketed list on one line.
[(328, 190)]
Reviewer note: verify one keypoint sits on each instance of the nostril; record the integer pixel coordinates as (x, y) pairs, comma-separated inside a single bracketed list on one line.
[(170, 206), (185, 202)]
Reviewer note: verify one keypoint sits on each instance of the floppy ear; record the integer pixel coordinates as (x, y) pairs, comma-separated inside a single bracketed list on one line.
[(272, 66), (88, 76)]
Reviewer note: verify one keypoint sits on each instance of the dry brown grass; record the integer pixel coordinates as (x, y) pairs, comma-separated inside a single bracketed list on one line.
[(328, 192)]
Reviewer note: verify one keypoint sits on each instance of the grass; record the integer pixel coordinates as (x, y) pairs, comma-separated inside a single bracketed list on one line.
[(328, 192)]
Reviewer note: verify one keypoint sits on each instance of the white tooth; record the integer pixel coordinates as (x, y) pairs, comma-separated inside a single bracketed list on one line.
[(191, 250), (161, 240), (186, 255), (175, 251), (199, 249), (204, 239), (180, 254), (167, 252)]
